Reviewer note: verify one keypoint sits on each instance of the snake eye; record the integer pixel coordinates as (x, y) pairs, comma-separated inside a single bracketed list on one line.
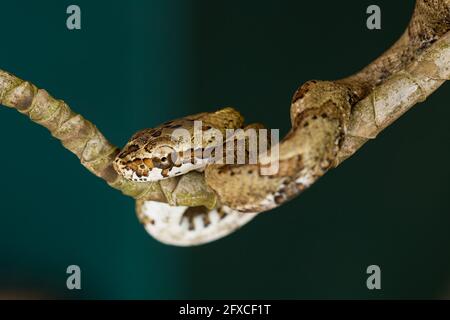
[(165, 157), (162, 163)]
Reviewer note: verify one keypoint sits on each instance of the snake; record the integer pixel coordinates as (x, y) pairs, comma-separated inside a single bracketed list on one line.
[(320, 135), (160, 153)]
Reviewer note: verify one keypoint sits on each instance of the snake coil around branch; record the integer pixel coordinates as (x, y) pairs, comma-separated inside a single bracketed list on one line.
[(330, 120)]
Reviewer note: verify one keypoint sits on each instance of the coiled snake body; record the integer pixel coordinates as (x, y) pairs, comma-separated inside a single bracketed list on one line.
[(160, 153), (322, 135)]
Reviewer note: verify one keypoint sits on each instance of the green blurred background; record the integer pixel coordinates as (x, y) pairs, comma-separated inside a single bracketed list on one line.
[(388, 205)]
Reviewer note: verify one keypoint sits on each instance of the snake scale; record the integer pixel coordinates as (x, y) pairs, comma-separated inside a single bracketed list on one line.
[(320, 113)]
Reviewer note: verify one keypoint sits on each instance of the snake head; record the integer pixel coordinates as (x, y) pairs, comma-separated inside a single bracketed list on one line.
[(155, 154), (175, 147)]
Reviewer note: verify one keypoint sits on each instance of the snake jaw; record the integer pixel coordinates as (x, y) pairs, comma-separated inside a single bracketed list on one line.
[(158, 160), (153, 169)]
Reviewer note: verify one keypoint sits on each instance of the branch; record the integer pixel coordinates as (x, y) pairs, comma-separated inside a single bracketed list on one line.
[(388, 102), (344, 115), (331, 120), (95, 152)]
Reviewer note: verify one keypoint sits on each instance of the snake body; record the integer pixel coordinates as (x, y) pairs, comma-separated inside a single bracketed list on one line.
[(320, 139), (165, 152)]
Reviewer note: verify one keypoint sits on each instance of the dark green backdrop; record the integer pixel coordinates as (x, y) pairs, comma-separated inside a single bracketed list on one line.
[(388, 205)]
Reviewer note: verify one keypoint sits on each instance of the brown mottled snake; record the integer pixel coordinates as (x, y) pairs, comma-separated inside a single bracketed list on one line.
[(322, 135), (330, 121)]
